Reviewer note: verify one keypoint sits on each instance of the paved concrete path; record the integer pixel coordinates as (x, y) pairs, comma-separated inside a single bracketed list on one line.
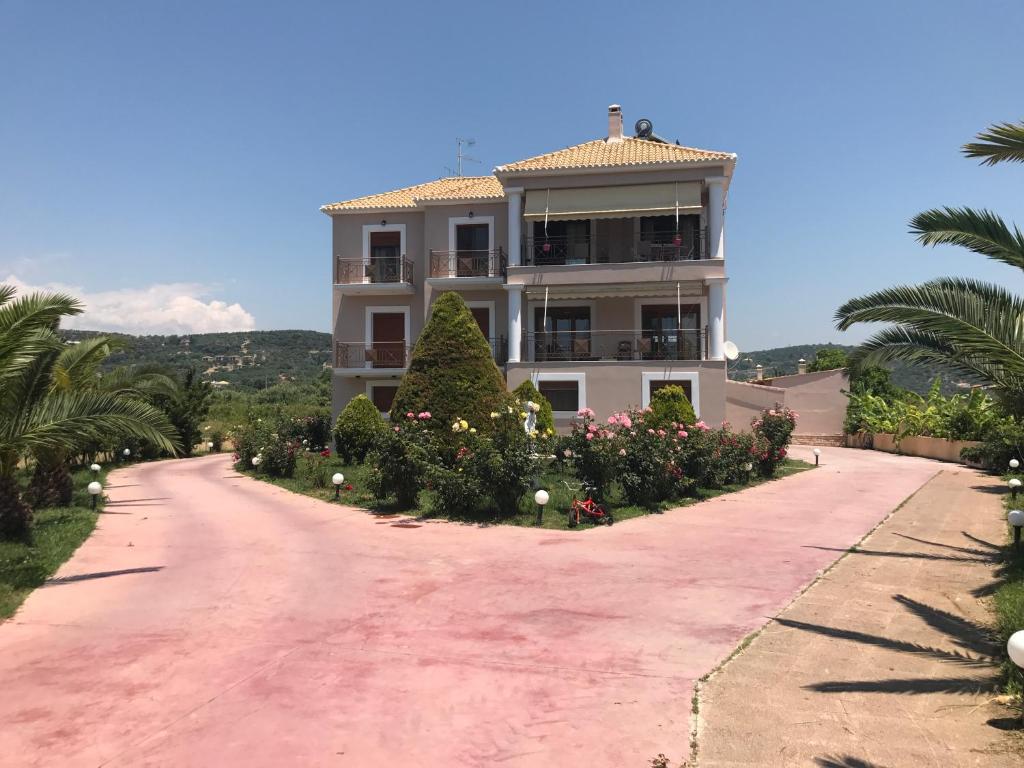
[(884, 661), (216, 620)]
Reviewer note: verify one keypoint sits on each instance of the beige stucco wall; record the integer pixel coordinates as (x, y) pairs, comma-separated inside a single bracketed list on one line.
[(436, 222), (615, 386), (744, 402)]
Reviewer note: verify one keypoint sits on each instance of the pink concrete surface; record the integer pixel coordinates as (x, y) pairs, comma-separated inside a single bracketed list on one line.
[(229, 622)]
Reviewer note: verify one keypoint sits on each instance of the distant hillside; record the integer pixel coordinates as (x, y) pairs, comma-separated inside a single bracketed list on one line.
[(247, 360), (783, 360)]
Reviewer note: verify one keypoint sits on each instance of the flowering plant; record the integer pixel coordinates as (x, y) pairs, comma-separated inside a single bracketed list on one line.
[(772, 432)]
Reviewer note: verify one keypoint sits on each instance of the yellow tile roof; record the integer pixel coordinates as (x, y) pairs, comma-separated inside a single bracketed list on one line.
[(451, 188), (601, 153)]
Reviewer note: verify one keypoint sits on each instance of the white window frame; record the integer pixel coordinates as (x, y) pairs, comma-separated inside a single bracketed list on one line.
[(581, 383), (646, 377), (454, 221), (381, 310), (489, 305), (371, 383), (368, 228)]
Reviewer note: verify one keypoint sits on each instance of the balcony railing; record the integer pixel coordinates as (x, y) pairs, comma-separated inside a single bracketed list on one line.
[(378, 354), (615, 345), (395, 354), (467, 263), (379, 269), (686, 245)]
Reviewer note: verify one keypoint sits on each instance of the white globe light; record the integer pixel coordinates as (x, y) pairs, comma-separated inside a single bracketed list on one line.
[(94, 488), (1014, 463), (1014, 482), (338, 478), (541, 497), (816, 451), (256, 461), (94, 467), (127, 452), (1015, 648), (1015, 518), (210, 445)]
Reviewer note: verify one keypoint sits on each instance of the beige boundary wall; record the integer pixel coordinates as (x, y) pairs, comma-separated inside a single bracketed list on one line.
[(817, 397), (925, 447)]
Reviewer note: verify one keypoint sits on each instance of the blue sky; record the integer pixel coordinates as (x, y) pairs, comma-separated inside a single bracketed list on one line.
[(167, 159)]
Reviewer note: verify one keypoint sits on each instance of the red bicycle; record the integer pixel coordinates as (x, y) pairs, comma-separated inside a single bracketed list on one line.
[(587, 508)]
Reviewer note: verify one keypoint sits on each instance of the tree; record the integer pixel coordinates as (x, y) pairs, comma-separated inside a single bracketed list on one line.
[(670, 405), (43, 414), (828, 359), (973, 327), (187, 407), (451, 374), (358, 427)]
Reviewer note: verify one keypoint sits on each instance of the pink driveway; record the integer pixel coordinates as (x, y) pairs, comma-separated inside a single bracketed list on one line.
[(215, 620)]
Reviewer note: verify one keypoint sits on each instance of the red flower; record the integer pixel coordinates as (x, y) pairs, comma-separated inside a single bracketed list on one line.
[(326, 453), (348, 487)]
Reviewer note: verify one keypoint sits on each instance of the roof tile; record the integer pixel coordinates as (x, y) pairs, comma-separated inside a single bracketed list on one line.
[(602, 153)]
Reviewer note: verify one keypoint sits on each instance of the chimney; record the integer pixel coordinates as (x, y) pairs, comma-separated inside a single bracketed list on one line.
[(614, 123), (801, 366)]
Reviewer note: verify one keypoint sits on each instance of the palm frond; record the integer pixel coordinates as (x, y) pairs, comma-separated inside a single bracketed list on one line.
[(980, 231), (1001, 143), (72, 420), (77, 365), (139, 381)]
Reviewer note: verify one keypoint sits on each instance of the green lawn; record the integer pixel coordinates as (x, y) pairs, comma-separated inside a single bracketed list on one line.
[(56, 534), (555, 513)]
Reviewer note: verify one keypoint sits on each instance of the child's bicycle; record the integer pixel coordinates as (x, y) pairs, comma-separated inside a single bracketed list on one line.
[(586, 508)]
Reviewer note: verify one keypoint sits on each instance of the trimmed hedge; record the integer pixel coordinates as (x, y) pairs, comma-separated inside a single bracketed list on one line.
[(358, 426), (452, 374), (669, 405), (545, 416)]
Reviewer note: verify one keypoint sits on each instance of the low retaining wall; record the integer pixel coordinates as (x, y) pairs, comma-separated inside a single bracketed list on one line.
[(926, 447)]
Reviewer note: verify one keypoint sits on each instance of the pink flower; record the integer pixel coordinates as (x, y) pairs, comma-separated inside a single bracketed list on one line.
[(650, 431), (612, 420), (585, 413), (647, 409), (592, 428), (622, 451), (410, 415), (425, 415), (590, 435), (681, 433), (661, 433), (398, 429), (567, 453)]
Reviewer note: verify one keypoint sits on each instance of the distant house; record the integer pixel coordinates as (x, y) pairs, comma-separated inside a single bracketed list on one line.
[(596, 271)]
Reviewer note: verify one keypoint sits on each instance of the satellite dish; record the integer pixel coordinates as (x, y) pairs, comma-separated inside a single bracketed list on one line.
[(730, 350)]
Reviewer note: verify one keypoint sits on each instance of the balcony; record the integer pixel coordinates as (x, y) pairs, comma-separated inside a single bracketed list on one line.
[(686, 245), (468, 264), (379, 274), (622, 346), (394, 354)]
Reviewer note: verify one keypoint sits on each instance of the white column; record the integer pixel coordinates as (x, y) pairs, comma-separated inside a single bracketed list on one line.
[(515, 219), (515, 321), (716, 318), (716, 217)]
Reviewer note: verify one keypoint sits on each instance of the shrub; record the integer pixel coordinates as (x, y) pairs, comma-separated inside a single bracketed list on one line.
[(262, 438), (670, 405), (312, 431), (451, 373), (505, 463), (400, 460), (315, 468), (359, 425), (217, 438), (772, 431), (527, 392), (594, 453), (650, 459), (1003, 441)]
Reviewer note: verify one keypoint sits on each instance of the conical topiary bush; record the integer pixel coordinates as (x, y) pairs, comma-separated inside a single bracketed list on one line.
[(451, 374)]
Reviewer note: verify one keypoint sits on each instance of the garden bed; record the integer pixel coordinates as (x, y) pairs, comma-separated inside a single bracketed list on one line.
[(56, 533), (555, 513)]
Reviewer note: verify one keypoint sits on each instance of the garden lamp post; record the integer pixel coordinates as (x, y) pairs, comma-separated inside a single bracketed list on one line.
[(541, 498), (748, 468), (94, 490), (817, 455), (126, 453), (337, 479), (1014, 463), (1014, 487), (209, 446), (1015, 517), (256, 461), (1015, 650), (95, 468)]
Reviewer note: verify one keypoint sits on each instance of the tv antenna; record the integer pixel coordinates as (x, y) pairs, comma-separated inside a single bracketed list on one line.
[(460, 158)]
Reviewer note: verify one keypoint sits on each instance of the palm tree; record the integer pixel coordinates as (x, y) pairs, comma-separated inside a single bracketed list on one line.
[(970, 326), (43, 413)]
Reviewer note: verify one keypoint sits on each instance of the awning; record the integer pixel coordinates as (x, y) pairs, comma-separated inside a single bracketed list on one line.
[(612, 202), (668, 291)]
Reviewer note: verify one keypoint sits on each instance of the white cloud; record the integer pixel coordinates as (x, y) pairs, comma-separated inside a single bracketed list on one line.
[(158, 308)]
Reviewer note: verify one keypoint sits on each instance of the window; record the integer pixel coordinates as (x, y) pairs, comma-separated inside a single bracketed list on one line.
[(564, 335), (564, 396), (566, 242), (383, 395), (385, 257), (471, 249), (662, 336), (687, 387), (652, 381)]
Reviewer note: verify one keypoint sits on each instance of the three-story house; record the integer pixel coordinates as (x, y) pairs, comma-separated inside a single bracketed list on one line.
[(597, 271)]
